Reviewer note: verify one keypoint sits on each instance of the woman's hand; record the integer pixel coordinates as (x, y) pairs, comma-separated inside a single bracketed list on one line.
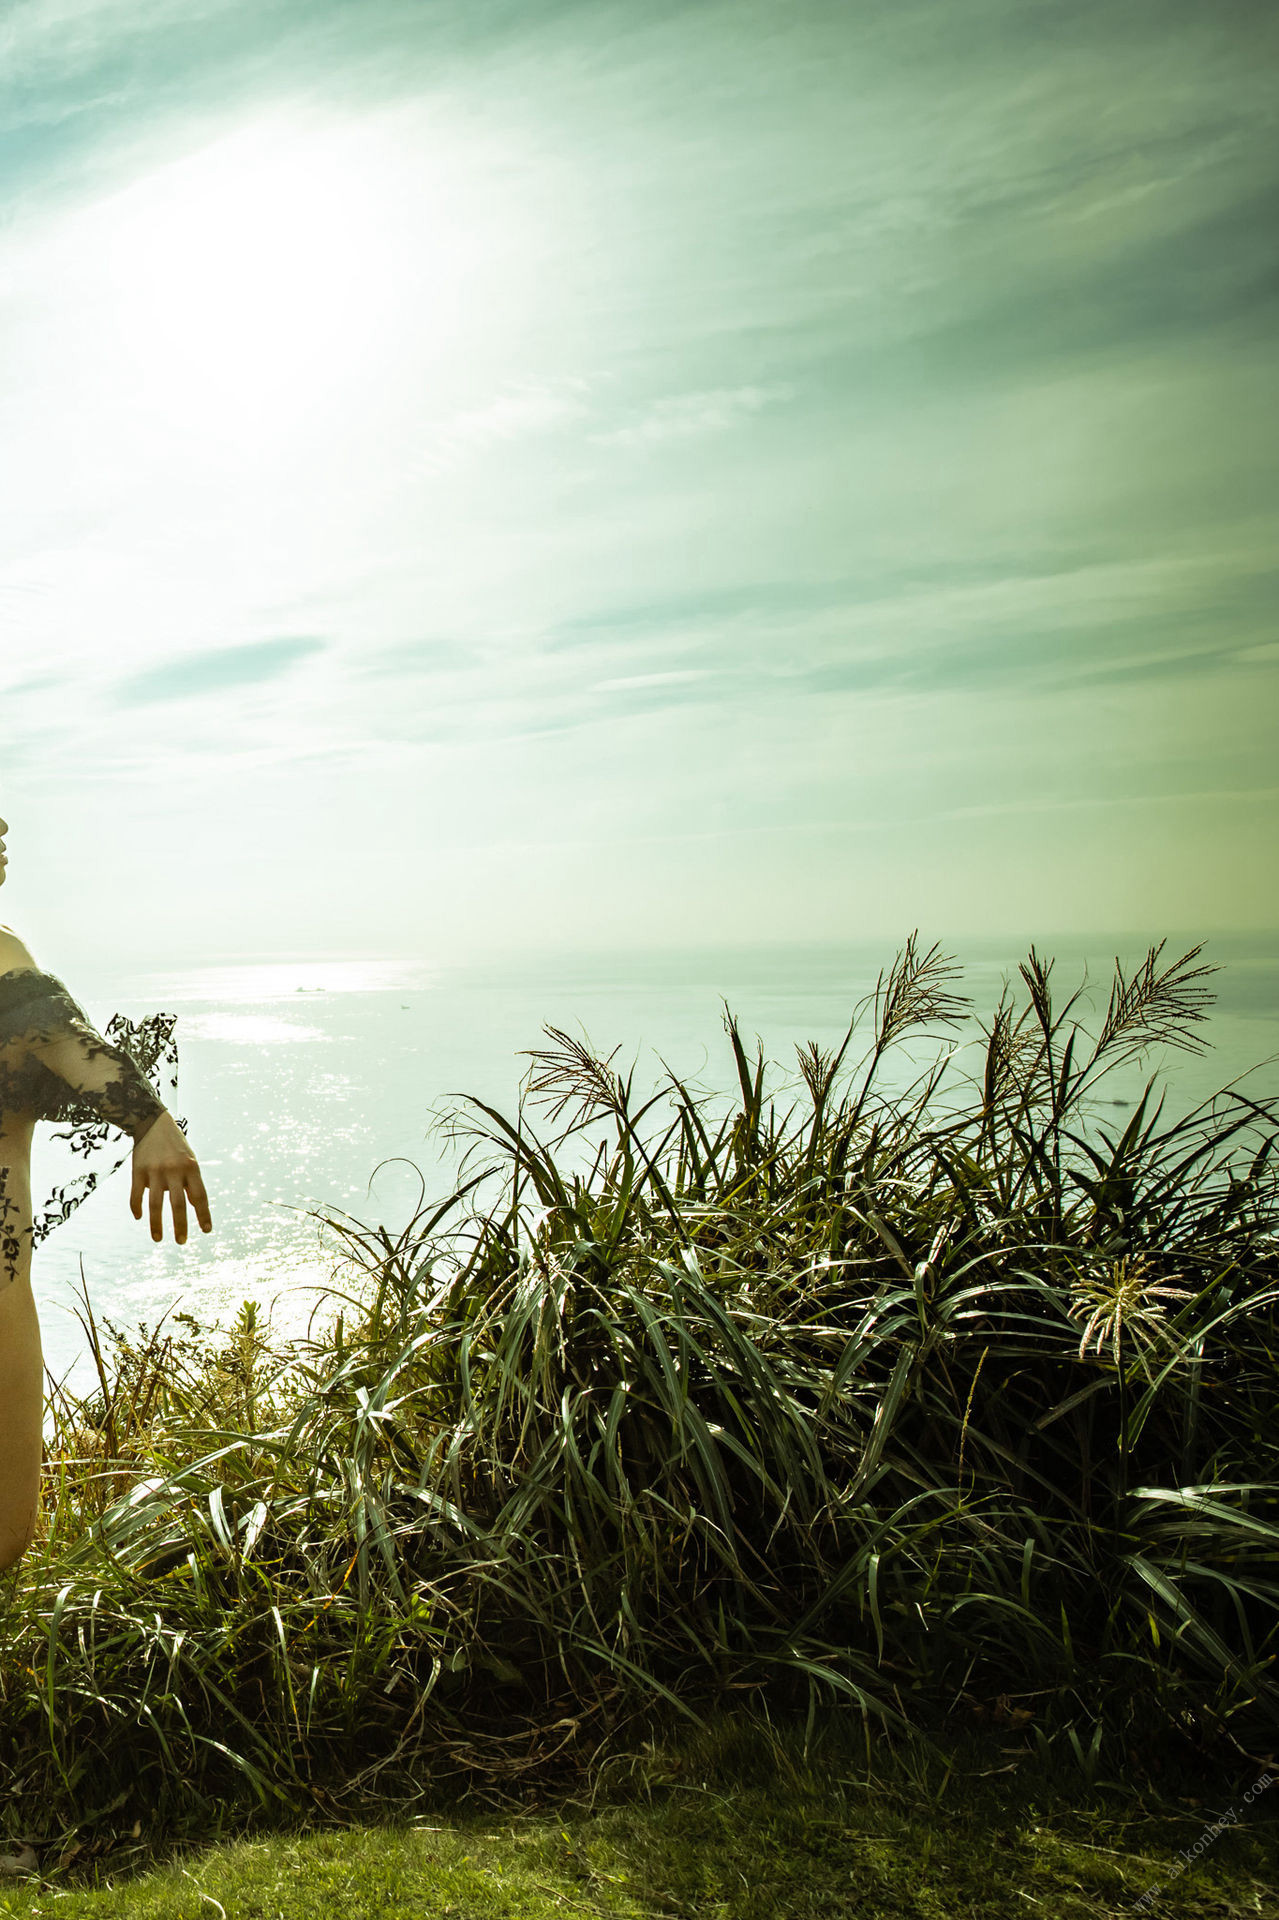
[(164, 1163)]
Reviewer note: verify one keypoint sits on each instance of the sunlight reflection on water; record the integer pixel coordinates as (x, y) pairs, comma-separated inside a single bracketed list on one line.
[(248, 1029)]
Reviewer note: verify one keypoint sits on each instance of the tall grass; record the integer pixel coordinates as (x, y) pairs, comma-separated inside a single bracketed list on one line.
[(949, 1403)]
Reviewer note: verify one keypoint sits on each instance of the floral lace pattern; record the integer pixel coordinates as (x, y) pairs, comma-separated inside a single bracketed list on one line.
[(56, 1065)]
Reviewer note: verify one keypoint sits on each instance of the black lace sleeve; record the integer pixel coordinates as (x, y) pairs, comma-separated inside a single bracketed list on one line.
[(56, 1065)]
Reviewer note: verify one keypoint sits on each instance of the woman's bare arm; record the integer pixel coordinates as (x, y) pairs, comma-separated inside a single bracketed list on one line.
[(108, 1080)]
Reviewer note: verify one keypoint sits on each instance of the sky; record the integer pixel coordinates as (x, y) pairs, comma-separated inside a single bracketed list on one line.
[(564, 474)]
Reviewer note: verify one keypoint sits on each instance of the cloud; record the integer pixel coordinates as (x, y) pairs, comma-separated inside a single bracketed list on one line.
[(666, 614), (520, 415), (39, 684), (691, 416), (629, 680), (918, 630), (1186, 274), (215, 669), (413, 657)]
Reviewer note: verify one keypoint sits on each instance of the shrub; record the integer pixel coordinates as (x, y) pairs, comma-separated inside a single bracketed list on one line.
[(950, 1401)]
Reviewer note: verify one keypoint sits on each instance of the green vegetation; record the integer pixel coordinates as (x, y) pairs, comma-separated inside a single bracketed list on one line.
[(738, 1822), (945, 1408)]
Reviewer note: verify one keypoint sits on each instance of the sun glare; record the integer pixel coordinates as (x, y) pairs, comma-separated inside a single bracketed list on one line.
[(253, 283)]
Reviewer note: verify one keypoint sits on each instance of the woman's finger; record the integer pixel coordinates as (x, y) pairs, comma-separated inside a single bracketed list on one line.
[(136, 1192), (178, 1203), (199, 1199), (158, 1191)]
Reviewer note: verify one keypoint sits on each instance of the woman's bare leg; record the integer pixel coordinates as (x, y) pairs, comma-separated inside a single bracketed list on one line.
[(21, 1417)]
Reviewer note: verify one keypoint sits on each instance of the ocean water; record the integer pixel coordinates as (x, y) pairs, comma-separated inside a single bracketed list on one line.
[(313, 1086)]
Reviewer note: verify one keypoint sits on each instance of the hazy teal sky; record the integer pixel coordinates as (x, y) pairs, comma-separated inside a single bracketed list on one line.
[(487, 475)]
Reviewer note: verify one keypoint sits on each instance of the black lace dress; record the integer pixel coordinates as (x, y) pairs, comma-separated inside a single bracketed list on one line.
[(56, 1066)]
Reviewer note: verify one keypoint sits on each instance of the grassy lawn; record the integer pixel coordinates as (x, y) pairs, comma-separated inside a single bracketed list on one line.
[(734, 1827)]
